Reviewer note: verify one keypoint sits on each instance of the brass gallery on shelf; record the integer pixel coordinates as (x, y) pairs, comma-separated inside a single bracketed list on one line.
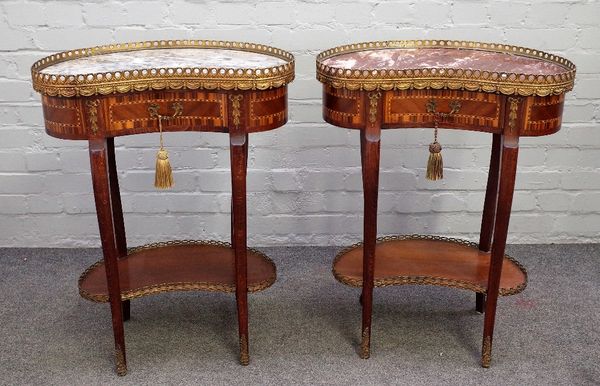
[(237, 89)]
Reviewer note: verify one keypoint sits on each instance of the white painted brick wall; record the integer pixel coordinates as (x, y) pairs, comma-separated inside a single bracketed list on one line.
[(304, 179)]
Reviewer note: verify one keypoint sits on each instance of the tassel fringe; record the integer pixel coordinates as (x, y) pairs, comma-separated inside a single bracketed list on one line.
[(435, 164), (163, 178)]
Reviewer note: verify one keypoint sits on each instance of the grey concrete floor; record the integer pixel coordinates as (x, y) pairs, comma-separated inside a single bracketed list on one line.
[(304, 329)]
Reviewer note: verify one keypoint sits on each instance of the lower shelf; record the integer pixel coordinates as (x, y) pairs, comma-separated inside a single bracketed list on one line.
[(177, 266), (429, 260)]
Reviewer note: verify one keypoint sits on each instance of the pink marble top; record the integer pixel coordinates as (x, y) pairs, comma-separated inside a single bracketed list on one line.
[(456, 58)]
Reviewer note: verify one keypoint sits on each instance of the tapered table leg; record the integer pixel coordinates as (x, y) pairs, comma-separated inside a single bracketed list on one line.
[(370, 140), (508, 168), (117, 211), (239, 149), (232, 217), (489, 209), (99, 160)]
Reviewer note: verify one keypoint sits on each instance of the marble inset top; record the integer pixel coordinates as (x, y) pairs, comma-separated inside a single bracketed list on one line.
[(164, 58), (417, 58), (163, 64), (450, 64)]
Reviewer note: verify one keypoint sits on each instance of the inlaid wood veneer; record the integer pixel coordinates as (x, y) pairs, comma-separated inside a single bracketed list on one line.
[(504, 90), (99, 93)]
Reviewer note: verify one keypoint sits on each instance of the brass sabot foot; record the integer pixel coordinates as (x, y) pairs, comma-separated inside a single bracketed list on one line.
[(365, 346), (486, 352), (244, 355)]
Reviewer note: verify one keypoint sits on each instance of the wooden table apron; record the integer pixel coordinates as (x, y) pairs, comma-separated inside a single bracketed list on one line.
[(99, 119), (506, 117)]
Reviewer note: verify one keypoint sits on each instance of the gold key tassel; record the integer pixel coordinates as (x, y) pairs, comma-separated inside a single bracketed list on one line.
[(435, 164), (163, 177)]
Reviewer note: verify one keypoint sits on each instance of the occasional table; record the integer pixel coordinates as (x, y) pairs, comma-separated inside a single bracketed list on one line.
[(504, 90), (99, 93)]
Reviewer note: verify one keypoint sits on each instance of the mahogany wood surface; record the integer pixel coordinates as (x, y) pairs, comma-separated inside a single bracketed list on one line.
[(488, 272), (489, 209), (117, 210), (491, 196), (168, 266), (102, 194), (417, 260), (479, 111), (238, 144), (126, 114), (99, 119), (79, 102), (370, 146), (509, 149)]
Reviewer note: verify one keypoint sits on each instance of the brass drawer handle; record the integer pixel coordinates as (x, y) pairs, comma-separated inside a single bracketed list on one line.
[(432, 108), (154, 107)]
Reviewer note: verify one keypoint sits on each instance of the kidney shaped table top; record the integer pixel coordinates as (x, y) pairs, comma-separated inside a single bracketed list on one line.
[(103, 92), (505, 90)]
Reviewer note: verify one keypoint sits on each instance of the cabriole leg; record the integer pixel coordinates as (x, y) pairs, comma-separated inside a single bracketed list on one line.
[(239, 152), (508, 169), (117, 211), (489, 209), (232, 221), (99, 160), (370, 149)]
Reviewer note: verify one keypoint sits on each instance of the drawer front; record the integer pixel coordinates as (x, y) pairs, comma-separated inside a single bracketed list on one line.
[(267, 109), (543, 115), (129, 114), (477, 111), (342, 107), (184, 110), (64, 117)]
